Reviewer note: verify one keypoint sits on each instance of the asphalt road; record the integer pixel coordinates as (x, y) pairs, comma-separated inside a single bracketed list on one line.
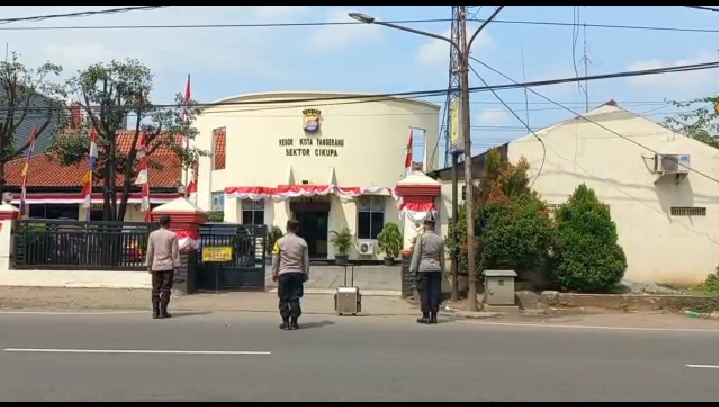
[(244, 357)]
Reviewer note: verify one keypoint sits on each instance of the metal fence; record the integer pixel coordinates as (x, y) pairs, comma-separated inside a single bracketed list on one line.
[(48, 244), (246, 270)]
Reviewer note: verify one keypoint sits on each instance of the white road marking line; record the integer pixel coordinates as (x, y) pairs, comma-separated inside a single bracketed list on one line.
[(607, 328), (703, 366), (70, 313), (144, 351)]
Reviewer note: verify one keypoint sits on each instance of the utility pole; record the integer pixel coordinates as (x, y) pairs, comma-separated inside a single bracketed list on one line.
[(462, 47), (468, 179), (452, 150)]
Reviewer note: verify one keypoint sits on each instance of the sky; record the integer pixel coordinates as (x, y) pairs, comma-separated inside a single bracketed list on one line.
[(228, 61)]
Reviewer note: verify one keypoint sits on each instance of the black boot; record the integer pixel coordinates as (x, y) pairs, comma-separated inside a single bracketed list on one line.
[(155, 311), (293, 324), (163, 312), (424, 319), (433, 318), (285, 325)]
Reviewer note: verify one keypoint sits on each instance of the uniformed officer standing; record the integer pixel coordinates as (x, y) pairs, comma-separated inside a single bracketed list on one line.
[(290, 269), (163, 258), (428, 264)]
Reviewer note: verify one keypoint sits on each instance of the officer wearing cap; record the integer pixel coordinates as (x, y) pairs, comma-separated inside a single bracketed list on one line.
[(290, 270), (428, 264), (163, 258)]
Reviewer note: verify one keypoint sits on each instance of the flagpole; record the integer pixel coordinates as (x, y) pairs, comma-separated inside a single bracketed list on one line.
[(185, 122)]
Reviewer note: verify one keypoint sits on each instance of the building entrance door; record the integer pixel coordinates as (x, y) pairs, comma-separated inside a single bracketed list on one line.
[(313, 217)]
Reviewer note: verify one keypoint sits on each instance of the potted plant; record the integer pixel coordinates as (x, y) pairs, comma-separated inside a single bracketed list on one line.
[(342, 242), (390, 241), (273, 236)]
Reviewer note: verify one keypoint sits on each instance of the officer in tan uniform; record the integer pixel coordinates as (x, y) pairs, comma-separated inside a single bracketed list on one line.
[(163, 258), (290, 269), (428, 264)]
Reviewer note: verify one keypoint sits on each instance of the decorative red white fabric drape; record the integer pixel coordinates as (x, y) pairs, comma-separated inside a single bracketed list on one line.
[(188, 239), (415, 211), (284, 192)]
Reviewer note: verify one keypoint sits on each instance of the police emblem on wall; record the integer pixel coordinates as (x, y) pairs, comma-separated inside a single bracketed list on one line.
[(312, 120)]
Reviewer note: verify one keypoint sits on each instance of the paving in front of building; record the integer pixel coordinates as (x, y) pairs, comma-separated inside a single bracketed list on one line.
[(372, 280)]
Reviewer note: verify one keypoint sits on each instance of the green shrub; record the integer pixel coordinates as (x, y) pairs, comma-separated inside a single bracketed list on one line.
[(512, 226), (587, 256), (216, 216)]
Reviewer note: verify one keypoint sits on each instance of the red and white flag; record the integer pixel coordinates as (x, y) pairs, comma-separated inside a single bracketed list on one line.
[(408, 154), (192, 185), (142, 178)]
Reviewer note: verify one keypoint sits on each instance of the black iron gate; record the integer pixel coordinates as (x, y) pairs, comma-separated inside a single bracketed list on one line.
[(246, 270)]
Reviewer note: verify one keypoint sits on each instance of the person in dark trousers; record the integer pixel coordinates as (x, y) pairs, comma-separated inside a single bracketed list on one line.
[(290, 269), (428, 264), (163, 258)]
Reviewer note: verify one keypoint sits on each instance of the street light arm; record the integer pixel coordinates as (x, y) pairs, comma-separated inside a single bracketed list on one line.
[(363, 18), (481, 27), (418, 32)]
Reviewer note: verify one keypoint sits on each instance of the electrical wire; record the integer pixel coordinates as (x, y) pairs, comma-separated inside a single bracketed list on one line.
[(319, 24), (594, 122), (80, 14), (484, 24), (424, 93), (705, 8), (510, 110), (248, 25)]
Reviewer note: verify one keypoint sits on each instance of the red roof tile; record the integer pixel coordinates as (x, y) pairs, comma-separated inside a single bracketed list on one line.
[(44, 172)]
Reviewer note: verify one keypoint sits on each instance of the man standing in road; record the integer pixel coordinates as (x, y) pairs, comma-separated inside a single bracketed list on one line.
[(428, 264), (163, 258), (290, 269)]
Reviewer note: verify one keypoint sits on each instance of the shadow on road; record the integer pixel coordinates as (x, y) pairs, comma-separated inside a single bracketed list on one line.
[(182, 314), (315, 324)]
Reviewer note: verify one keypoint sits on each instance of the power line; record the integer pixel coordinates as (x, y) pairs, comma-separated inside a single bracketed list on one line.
[(248, 25), (541, 142), (622, 136), (320, 24), (705, 8), (370, 98), (79, 14)]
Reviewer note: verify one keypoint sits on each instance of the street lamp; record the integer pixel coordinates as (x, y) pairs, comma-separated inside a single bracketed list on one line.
[(462, 49), (363, 18)]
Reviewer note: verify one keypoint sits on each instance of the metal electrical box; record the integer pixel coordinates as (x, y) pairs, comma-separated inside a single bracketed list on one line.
[(499, 287), (348, 299)]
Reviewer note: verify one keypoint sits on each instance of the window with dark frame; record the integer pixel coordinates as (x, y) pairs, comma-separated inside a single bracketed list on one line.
[(370, 216), (253, 212)]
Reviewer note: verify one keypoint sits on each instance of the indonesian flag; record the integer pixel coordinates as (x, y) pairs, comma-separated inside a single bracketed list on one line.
[(142, 176), (23, 187), (186, 104), (87, 178), (192, 185), (408, 154)]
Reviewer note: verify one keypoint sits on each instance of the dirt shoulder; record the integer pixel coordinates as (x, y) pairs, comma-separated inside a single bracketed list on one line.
[(109, 299)]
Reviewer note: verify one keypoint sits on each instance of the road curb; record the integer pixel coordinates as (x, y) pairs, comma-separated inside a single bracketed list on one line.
[(459, 314)]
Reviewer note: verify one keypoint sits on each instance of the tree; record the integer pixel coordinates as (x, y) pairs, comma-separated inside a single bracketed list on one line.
[(513, 227), (700, 123), (587, 256), (111, 93), (28, 98)]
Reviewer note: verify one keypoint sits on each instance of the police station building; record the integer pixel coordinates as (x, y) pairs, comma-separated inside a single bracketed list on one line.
[(329, 160)]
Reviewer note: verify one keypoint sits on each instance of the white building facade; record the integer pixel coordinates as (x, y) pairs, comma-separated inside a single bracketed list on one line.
[(328, 160), (667, 221)]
